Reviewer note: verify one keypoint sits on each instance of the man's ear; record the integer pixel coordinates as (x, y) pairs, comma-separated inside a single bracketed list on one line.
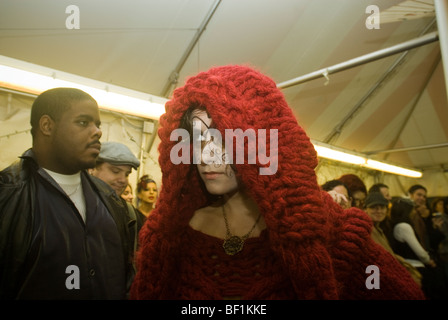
[(46, 125)]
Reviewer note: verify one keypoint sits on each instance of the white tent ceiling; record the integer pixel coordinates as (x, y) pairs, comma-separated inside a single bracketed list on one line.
[(394, 108)]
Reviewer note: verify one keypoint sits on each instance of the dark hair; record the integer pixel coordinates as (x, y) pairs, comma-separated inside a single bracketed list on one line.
[(353, 183), (401, 210), (416, 187), (54, 103), (377, 187), (187, 119), (143, 182), (331, 184), (434, 204)]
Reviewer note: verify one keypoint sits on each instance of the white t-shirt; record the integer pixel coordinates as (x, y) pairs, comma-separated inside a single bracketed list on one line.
[(403, 232), (72, 186)]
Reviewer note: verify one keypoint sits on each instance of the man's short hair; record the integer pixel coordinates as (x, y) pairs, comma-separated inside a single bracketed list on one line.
[(416, 187), (54, 102), (377, 187)]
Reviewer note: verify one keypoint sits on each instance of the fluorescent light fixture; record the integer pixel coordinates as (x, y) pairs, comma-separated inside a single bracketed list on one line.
[(377, 165), (338, 154), (27, 77), (332, 154)]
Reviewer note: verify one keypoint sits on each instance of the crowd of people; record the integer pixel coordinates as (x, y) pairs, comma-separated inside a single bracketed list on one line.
[(413, 228), (74, 227)]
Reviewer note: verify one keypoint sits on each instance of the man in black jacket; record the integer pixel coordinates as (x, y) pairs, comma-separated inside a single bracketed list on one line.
[(63, 233)]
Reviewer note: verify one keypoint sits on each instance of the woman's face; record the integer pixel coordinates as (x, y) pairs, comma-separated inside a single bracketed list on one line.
[(127, 194), (439, 206), (219, 178), (148, 194), (377, 212)]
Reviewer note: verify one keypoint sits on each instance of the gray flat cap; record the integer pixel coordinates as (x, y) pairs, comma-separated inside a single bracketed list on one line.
[(117, 154)]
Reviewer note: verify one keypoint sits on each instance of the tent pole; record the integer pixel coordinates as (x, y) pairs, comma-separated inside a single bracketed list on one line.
[(441, 7), (174, 77), (338, 128), (376, 55), (431, 146)]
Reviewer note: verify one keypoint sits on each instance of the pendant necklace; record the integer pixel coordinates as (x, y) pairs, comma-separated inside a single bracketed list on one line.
[(234, 244)]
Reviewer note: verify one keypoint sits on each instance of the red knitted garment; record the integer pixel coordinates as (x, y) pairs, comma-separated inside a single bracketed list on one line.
[(312, 249)]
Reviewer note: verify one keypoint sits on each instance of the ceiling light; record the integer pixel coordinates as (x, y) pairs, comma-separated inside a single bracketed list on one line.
[(330, 152), (381, 166), (30, 78)]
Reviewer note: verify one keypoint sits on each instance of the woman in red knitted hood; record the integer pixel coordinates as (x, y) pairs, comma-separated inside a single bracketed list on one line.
[(246, 219)]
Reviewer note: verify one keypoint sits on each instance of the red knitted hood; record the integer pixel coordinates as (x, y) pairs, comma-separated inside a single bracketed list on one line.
[(239, 97)]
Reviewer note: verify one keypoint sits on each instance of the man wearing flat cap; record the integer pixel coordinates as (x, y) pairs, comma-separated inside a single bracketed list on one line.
[(114, 165)]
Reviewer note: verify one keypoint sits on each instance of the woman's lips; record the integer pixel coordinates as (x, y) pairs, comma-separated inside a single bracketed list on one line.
[(212, 175)]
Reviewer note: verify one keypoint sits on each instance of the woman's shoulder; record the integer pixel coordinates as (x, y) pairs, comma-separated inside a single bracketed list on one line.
[(207, 220)]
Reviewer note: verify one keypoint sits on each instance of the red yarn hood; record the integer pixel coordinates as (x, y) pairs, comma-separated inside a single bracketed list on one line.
[(238, 97), (300, 218)]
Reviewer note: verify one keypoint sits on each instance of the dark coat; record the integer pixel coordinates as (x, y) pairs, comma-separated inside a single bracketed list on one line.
[(18, 201)]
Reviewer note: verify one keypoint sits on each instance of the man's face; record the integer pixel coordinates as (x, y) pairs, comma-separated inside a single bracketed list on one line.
[(115, 176), (386, 194), (419, 197), (75, 141)]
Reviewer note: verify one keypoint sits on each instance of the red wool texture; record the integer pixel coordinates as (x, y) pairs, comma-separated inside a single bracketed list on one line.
[(311, 249)]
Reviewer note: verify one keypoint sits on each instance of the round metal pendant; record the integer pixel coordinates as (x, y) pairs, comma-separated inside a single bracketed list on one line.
[(233, 245)]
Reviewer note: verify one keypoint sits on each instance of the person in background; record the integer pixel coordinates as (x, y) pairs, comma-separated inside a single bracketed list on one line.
[(384, 189), (406, 242), (439, 217), (113, 166), (127, 194), (417, 194), (376, 207), (445, 205), (228, 228), (339, 192), (63, 234), (437, 226), (357, 189), (146, 197)]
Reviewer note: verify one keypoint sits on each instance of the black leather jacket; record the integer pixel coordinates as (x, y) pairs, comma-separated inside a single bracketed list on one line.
[(17, 204)]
